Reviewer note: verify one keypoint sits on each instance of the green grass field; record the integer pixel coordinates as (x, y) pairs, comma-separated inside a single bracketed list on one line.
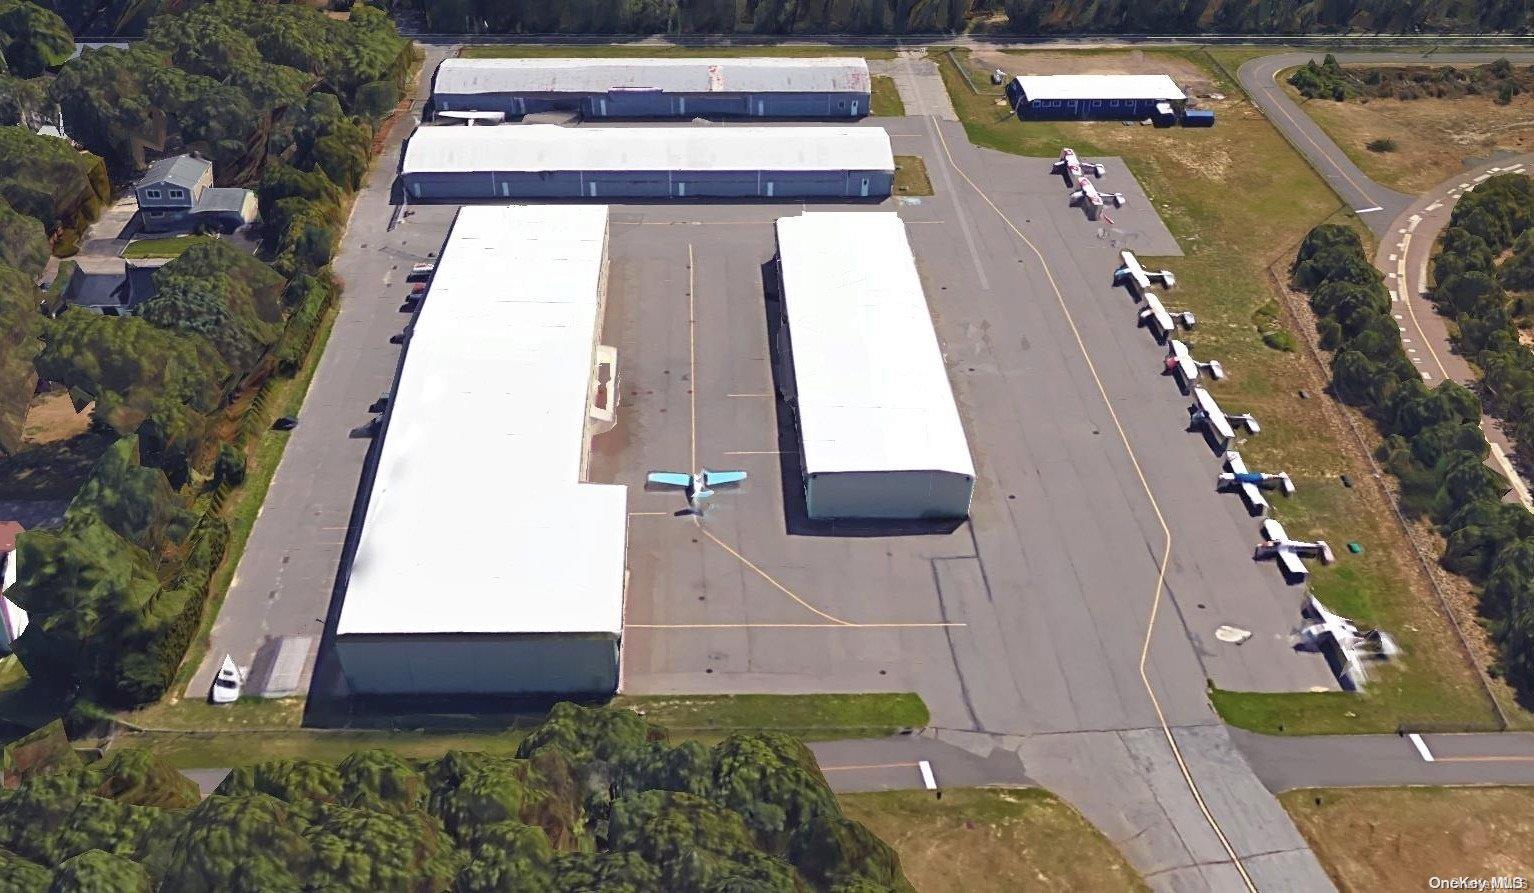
[(992, 840), (885, 100), (1239, 199), (636, 51), (911, 176), (171, 246)]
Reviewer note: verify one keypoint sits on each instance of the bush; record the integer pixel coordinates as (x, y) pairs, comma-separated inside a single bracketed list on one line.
[(1279, 340), (1382, 144)]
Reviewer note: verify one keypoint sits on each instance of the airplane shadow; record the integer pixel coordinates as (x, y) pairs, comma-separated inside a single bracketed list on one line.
[(791, 474)]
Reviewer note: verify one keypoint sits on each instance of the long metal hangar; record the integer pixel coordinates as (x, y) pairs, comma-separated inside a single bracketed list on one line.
[(1057, 96), (486, 565), (881, 435), (456, 164), (657, 88)]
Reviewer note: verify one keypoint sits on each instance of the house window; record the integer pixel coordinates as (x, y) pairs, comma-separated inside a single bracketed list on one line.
[(151, 193), (156, 215), (1113, 103), (178, 193)]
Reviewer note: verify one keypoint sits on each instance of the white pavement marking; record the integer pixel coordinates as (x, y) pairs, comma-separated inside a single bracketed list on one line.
[(1392, 258), (927, 777), (1367, 210), (1416, 740)]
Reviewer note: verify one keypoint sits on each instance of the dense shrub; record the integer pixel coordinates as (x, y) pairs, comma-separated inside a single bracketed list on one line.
[(547, 821)]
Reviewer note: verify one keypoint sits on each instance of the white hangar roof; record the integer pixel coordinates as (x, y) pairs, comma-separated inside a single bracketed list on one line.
[(841, 74), (478, 520), (872, 391), (549, 147), (1099, 86)]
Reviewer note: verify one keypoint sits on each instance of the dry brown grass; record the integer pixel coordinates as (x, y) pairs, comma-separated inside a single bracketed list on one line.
[(1400, 838), (981, 840), (1435, 138), (52, 418)]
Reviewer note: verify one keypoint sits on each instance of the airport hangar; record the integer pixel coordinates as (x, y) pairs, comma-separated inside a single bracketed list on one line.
[(455, 164), (1109, 96), (486, 565), (657, 88), (880, 434)]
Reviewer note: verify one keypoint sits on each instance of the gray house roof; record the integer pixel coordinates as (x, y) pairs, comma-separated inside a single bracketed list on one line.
[(227, 199), (180, 170)]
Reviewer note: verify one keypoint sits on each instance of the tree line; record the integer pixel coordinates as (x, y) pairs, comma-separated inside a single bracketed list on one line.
[(594, 799), (286, 100), (1327, 79), (1433, 442)]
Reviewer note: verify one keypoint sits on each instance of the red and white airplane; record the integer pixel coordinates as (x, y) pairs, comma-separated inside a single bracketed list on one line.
[(1179, 362), (1089, 198), (1073, 167), (1277, 544)]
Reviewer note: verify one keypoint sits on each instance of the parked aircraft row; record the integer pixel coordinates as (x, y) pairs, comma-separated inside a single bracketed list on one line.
[(1338, 637), (1085, 193)]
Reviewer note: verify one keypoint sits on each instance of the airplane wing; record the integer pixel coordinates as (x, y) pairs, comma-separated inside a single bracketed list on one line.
[(1274, 530), (669, 478), (1253, 496), (1292, 564), (723, 477)]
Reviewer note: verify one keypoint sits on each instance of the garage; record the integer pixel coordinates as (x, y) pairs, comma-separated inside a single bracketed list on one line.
[(879, 430), (457, 164), (766, 87), (486, 564)]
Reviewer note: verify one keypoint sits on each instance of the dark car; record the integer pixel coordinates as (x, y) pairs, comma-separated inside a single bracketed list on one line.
[(285, 423)]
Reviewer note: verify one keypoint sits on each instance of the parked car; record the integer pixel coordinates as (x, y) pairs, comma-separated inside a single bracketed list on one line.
[(420, 272), (228, 684), (285, 423)]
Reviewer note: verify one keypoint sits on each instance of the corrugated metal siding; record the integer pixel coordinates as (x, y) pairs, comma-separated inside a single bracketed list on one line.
[(653, 104)]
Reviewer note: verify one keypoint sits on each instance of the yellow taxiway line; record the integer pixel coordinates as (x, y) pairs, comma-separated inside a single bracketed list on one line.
[(1166, 555)]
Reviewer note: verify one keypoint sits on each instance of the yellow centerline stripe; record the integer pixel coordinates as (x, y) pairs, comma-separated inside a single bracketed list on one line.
[(1166, 555)]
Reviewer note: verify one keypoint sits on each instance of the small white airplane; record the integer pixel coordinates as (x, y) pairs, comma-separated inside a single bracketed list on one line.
[(1071, 166), (1333, 632), (1179, 362), (1277, 544), (1252, 483), (1138, 278), (698, 485), (1088, 197), (1219, 423), (1162, 321)]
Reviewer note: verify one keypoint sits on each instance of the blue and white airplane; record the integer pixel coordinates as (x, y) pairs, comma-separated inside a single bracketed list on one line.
[(698, 485), (1252, 483)]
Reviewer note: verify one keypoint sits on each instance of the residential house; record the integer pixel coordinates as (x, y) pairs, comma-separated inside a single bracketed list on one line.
[(177, 195)]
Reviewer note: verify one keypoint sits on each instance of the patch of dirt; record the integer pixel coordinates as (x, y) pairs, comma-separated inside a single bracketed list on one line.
[(1194, 80), (52, 418)]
